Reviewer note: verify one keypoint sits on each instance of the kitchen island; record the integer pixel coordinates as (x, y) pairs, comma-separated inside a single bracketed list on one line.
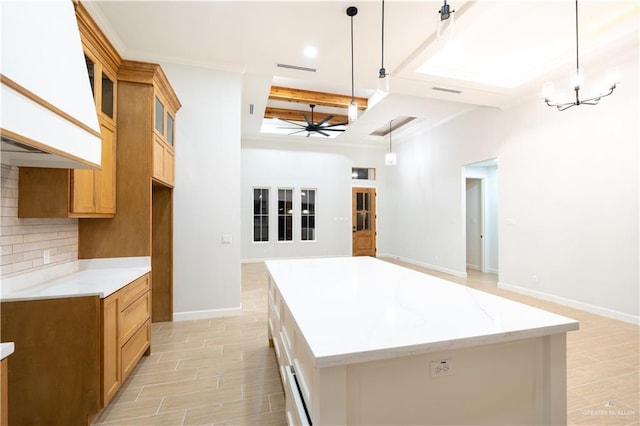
[(363, 341)]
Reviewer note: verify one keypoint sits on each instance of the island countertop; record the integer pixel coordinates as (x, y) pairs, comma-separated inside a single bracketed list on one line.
[(95, 277), (364, 309)]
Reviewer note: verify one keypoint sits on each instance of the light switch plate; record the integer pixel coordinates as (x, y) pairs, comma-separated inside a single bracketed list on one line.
[(227, 238)]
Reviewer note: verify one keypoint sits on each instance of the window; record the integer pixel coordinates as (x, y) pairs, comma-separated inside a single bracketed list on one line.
[(308, 214), (285, 214), (260, 214), (362, 173)]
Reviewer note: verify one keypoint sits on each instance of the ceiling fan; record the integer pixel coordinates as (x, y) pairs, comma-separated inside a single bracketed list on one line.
[(321, 126)]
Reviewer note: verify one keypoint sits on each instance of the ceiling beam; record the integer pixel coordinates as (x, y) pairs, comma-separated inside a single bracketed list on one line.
[(309, 97), (297, 115)]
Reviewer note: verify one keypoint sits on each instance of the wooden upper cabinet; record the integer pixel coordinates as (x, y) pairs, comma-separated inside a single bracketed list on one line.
[(163, 104), (45, 192)]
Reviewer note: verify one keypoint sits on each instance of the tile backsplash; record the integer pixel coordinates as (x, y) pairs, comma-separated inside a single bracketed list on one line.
[(24, 243)]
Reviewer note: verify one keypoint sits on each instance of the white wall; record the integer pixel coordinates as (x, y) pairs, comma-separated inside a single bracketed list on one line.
[(568, 204), (207, 192), (323, 166)]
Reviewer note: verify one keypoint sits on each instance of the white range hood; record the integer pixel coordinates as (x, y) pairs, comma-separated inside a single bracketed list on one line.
[(47, 112)]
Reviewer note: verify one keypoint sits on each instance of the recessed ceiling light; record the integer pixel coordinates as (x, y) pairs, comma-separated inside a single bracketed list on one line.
[(310, 52)]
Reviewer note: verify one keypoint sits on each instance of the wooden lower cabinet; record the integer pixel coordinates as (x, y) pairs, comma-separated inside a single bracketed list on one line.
[(126, 325), (73, 354)]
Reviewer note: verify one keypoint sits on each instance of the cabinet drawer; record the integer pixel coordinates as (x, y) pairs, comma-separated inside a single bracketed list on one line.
[(134, 316), (134, 290), (295, 409), (133, 350)]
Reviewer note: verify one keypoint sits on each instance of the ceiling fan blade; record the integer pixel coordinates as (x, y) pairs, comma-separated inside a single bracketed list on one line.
[(297, 131), (337, 124), (306, 118), (331, 130), (324, 120), (322, 133), (308, 134), (292, 122)]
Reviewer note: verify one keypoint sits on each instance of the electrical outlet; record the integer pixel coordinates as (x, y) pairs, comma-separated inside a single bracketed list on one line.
[(443, 367), (46, 257)]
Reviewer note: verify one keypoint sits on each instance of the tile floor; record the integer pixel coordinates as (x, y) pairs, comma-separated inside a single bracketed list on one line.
[(222, 371)]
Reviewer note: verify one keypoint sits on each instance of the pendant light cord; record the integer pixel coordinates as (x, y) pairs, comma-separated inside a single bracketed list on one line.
[(352, 73), (577, 60), (390, 135), (382, 44)]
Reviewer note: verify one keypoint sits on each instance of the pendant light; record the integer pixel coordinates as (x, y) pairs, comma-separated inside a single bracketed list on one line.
[(577, 83), (390, 158), (383, 81), (353, 107)]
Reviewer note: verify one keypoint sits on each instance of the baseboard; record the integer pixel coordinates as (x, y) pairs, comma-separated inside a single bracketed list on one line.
[(492, 271), (426, 265), (598, 310), (209, 313)]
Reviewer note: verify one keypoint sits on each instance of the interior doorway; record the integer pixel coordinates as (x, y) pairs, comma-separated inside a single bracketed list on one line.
[(363, 212), (474, 222), (480, 185)]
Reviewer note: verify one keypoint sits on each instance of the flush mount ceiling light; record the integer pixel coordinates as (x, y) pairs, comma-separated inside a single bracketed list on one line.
[(576, 84), (353, 107)]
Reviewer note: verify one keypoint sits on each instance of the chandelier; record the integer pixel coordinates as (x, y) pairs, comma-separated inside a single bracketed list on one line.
[(576, 84)]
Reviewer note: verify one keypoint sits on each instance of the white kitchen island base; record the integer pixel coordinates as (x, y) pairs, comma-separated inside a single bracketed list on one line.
[(366, 338)]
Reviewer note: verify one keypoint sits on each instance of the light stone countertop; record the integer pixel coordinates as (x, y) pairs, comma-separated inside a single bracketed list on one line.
[(6, 349), (356, 309), (95, 277)]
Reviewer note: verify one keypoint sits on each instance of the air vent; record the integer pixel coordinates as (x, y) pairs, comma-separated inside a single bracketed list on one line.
[(296, 67), (444, 89), (395, 125)]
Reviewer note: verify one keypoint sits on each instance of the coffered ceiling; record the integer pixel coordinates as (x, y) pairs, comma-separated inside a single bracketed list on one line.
[(494, 53)]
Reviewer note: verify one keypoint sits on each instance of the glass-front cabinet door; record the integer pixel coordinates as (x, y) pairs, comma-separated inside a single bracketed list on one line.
[(163, 150)]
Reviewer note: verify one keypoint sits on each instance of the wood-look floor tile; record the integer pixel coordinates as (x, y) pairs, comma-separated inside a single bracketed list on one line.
[(169, 389), (200, 399), (219, 413), (165, 419), (122, 412), (274, 418), (146, 366), (262, 388), (161, 377)]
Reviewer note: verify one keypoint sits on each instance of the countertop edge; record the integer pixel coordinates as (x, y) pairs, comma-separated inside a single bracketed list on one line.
[(67, 286), (426, 348)]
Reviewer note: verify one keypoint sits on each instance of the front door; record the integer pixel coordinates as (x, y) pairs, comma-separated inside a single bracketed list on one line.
[(363, 202)]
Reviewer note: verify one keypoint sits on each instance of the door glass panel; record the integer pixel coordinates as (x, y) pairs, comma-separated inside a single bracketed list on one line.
[(367, 227), (91, 73), (359, 201), (366, 201), (169, 129), (107, 96), (261, 214), (159, 116), (285, 214), (359, 221)]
